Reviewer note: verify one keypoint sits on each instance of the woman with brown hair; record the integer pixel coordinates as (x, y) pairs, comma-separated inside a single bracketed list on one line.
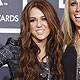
[(40, 44)]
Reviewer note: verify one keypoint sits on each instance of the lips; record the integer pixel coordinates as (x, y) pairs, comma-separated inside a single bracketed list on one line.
[(41, 31), (77, 17)]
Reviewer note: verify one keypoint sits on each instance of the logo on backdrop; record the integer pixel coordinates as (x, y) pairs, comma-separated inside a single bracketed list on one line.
[(61, 4), (1, 3), (10, 12)]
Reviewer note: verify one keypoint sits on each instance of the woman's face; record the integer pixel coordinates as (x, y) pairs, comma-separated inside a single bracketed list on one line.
[(38, 25), (74, 11)]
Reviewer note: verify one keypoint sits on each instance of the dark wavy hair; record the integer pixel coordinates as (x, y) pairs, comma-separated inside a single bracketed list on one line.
[(29, 67)]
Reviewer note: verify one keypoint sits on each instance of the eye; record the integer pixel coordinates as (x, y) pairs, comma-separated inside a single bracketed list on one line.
[(32, 20), (73, 4), (44, 19)]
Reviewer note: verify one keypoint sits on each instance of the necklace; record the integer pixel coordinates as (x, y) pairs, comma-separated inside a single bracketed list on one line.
[(78, 68), (78, 60), (77, 43)]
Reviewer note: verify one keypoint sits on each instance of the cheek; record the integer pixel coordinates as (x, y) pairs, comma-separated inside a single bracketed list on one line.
[(72, 10), (31, 28), (48, 29), (44, 23)]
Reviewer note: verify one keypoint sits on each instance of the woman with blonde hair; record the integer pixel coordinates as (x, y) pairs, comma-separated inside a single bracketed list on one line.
[(71, 45)]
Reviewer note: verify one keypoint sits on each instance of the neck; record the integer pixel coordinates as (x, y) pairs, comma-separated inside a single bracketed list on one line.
[(79, 32), (77, 35), (42, 45), (43, 52)]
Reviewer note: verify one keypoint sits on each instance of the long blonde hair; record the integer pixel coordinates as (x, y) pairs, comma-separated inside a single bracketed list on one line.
[(66, 26)]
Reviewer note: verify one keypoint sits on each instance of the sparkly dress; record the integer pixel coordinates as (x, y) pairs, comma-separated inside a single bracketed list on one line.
[(46, 70)]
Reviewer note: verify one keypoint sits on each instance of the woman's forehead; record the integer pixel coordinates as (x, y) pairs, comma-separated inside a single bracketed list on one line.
[(74, 0)]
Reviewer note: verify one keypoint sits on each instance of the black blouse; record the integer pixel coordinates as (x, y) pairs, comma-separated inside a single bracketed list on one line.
[(69, 61), (8, 55)]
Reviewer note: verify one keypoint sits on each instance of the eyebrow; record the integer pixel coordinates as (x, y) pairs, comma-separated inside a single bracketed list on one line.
[(35, 17), (73, 0), (32, 17)]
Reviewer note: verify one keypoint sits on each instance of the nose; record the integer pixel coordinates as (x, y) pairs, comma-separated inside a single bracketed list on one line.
[(78, 6), (39, 23)]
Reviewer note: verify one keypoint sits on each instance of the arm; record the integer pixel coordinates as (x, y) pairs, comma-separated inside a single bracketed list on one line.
[(6, 52)]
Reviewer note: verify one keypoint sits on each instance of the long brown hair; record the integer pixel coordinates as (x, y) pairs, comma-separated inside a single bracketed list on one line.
[(29, 66)]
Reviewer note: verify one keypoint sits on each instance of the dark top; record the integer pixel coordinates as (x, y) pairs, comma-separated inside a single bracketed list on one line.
[(69, 62), (46, 71), (8, 55)]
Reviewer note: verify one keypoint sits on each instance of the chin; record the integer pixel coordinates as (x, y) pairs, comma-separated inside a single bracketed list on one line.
[(41, 39)]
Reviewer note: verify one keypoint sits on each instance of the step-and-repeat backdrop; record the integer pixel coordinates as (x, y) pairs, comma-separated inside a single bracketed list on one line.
[(10, 12)]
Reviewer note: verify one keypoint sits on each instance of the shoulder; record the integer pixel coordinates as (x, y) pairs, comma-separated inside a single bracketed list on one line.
[(70, 48), (11, 46), (13, 42), (69, 53), (69, 59)]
